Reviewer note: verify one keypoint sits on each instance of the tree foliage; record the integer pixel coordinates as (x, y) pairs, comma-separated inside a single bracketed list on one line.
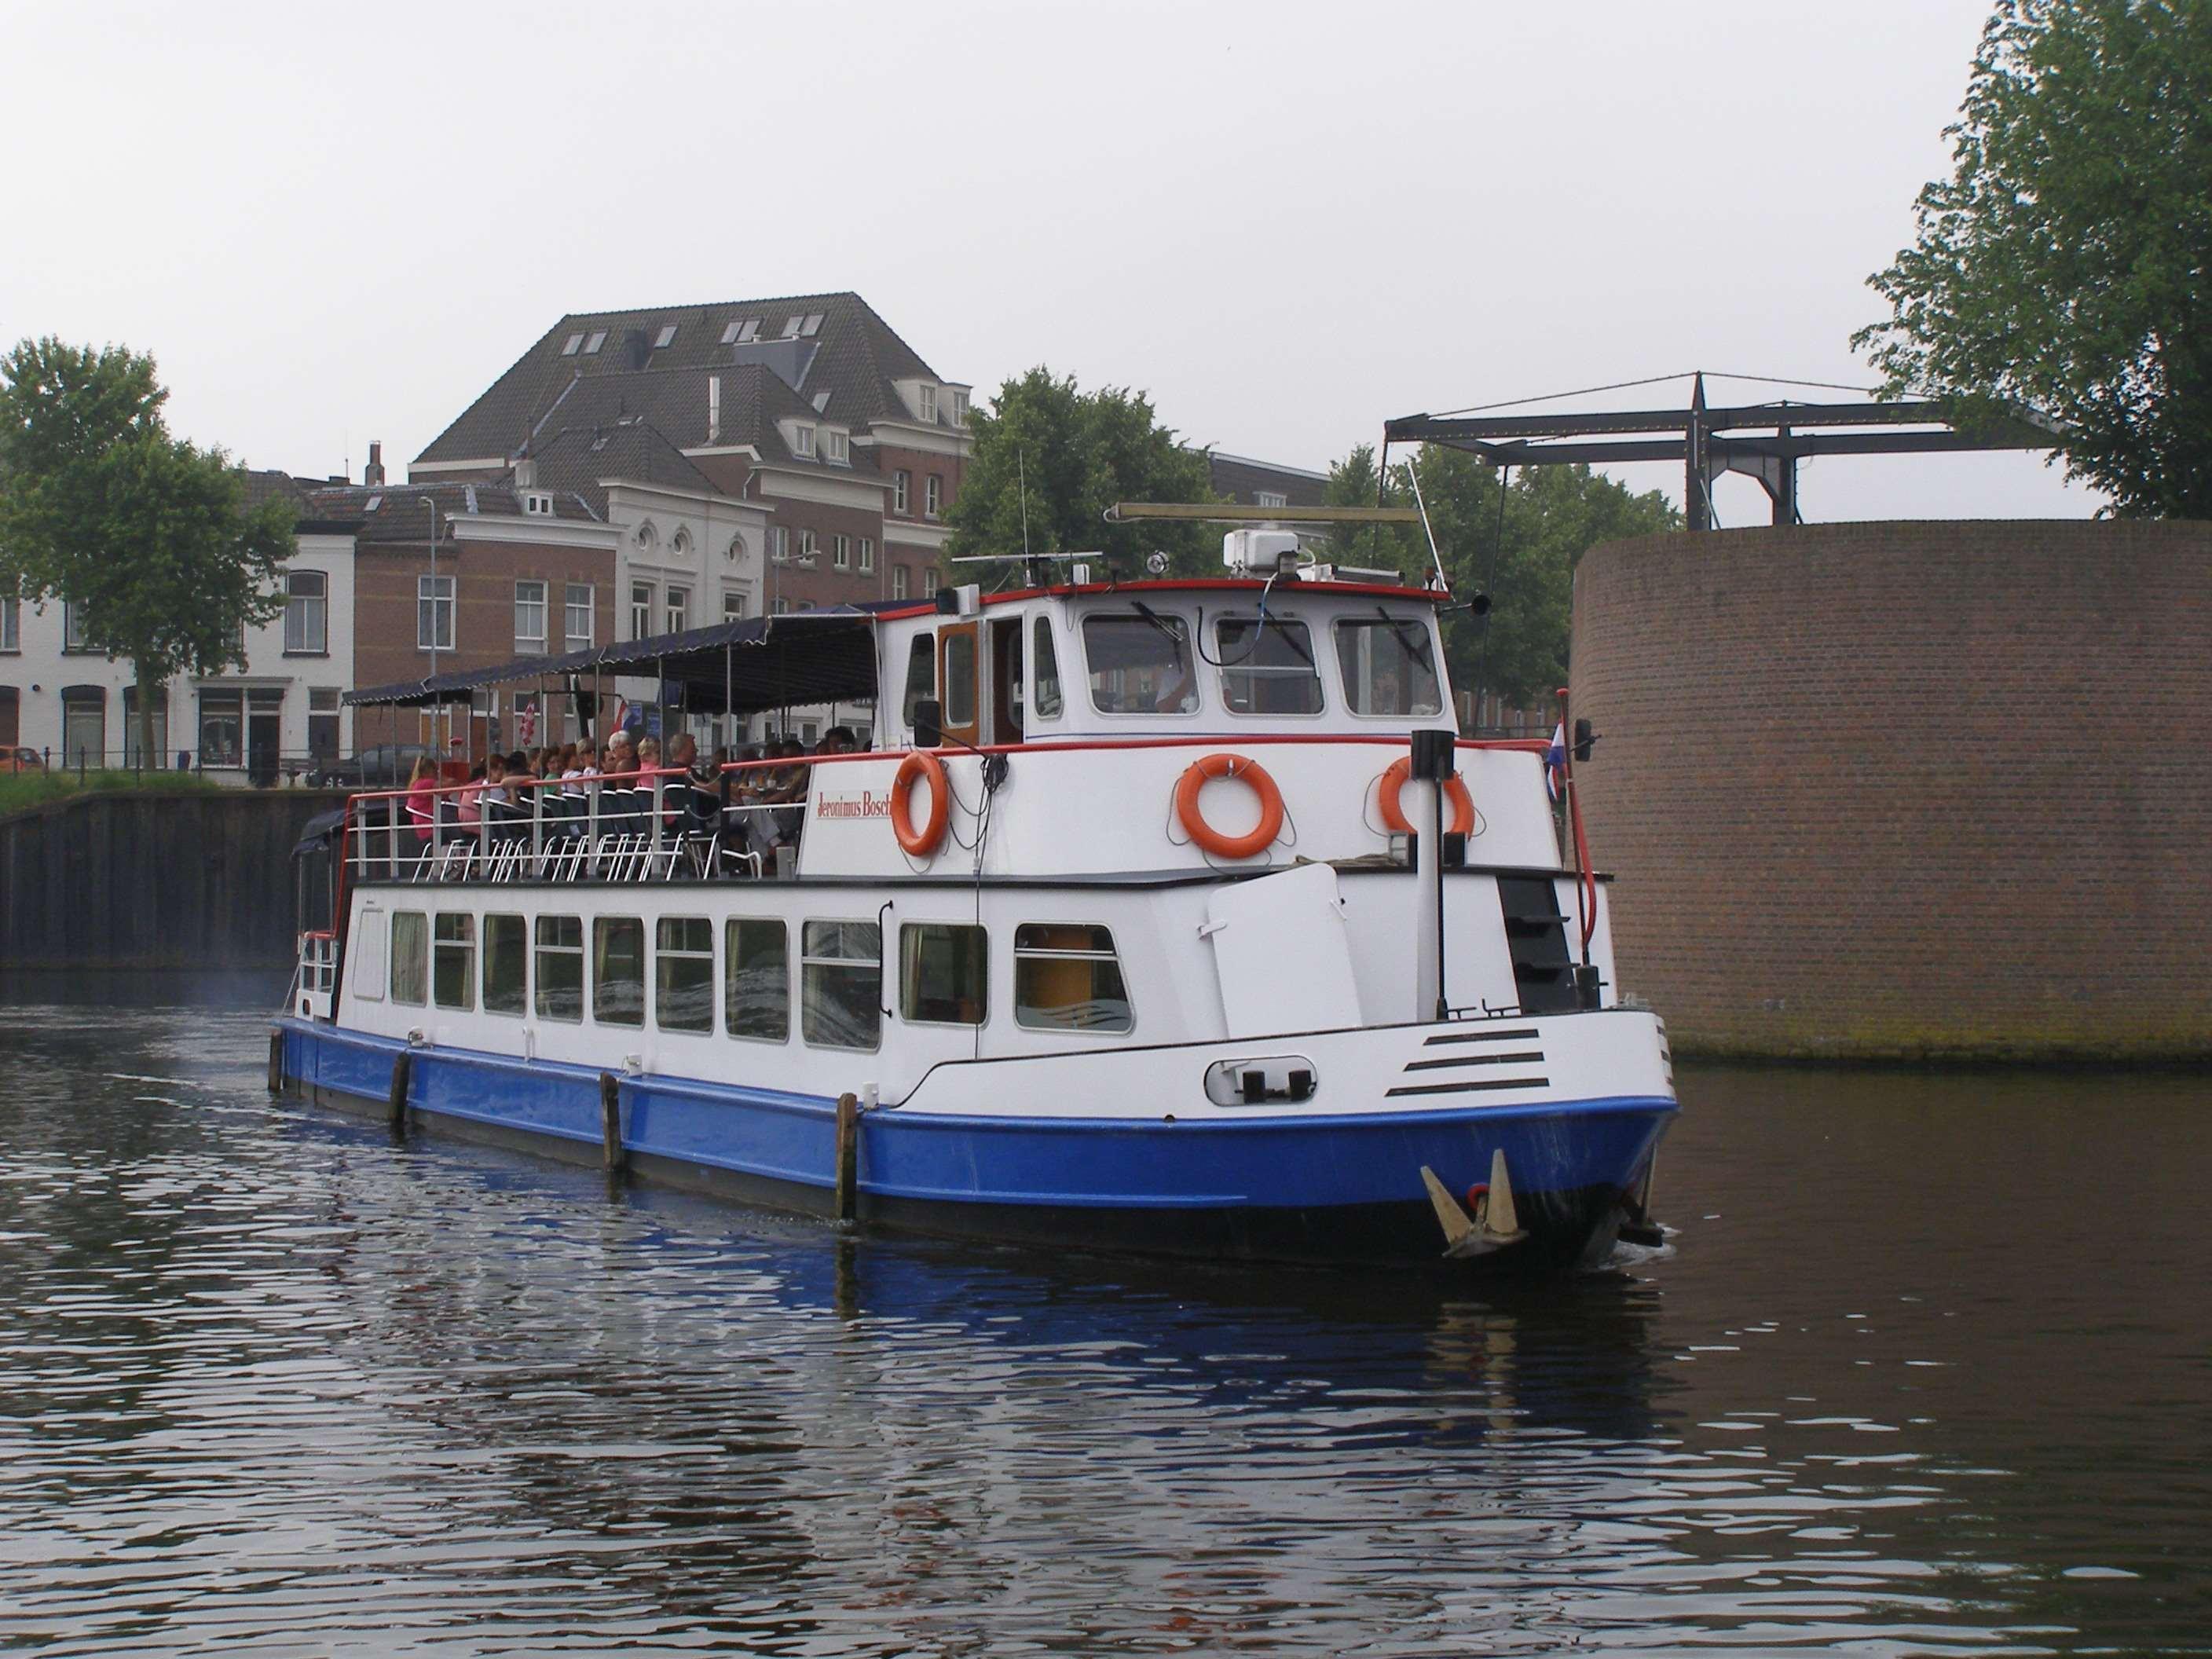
[(148, 537), (1074, 453), (2067, 263), (1525, 561)]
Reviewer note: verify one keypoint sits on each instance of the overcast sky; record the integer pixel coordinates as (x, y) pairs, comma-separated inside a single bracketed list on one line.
[(1287, 221)]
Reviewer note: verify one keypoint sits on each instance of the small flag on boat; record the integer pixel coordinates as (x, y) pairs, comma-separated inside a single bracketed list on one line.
[(1555, 764)]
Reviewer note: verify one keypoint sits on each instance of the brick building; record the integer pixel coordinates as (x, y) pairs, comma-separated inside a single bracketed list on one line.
[(764, 454)]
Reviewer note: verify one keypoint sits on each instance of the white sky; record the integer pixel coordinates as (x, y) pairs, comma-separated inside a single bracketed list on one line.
[(1287, 221)]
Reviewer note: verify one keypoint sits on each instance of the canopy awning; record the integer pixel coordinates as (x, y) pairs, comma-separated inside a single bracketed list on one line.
[(733, 667)]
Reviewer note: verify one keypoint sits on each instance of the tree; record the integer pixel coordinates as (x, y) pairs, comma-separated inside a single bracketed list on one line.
[(2067, 263), (147, 537), (1072, 455), (1553, 515)]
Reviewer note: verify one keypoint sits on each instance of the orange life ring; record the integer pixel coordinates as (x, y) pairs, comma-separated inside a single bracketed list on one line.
[(1198, 775), (1456, 790), (921, 843)]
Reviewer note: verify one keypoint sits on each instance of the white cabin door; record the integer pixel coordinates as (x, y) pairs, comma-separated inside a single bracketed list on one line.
[(1281, 948)]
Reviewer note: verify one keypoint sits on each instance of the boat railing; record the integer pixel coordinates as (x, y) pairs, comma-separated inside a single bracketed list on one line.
[(669, 822)]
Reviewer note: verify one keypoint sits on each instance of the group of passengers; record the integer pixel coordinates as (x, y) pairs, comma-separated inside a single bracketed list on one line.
[(747, 803)]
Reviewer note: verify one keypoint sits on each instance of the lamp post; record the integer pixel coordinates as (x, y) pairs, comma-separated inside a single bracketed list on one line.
[(776, 561), (437, 709)]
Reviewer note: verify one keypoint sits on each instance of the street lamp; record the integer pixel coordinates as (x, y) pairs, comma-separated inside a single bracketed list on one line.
[(438, 708)]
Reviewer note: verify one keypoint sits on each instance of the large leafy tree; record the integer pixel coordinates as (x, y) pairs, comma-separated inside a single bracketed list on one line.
[(2067, 263), (1524, 560), (1064, 456), (149, 538)]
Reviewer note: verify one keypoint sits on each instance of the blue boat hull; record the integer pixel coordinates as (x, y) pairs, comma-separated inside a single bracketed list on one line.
[(1339, 1189)]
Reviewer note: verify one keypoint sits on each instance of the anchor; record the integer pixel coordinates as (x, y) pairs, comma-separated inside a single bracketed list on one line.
[(1494, 1224)]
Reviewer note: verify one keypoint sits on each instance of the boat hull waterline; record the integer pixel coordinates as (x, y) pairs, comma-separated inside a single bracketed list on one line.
[(1311, 1187)]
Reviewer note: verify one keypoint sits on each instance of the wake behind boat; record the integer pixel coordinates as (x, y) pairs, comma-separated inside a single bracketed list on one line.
[(1163, 915)]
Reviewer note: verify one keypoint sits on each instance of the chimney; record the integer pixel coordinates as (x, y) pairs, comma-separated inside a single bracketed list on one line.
[(526, 471), (372, 474), (713, 409)]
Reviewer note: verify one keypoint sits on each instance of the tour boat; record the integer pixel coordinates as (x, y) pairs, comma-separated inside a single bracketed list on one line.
[(1165, 915)]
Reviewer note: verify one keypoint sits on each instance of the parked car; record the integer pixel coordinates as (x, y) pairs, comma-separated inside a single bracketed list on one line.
[(384, 766), (20, 760)]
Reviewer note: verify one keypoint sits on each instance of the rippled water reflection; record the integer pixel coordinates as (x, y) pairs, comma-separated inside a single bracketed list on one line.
[(1926, 1372)]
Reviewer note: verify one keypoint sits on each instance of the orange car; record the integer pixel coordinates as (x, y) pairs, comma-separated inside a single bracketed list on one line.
[(20, 760)]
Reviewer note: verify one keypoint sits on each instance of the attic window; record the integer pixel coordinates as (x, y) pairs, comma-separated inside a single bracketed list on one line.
[(661, 340), (599, 338), (820, 402), (538, 502), (792, 325), (811, 327), (730, 334), (373, 503), (749, 332), (959, 408), (569, 349), (834, 447), (1272, 498), (802, 440), (926, 395)]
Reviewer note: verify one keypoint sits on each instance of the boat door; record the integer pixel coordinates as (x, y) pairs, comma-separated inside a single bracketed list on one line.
[(960, 681), (1006, 680)]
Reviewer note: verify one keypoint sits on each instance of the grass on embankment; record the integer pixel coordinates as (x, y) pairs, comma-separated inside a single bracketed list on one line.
[(20, 790)]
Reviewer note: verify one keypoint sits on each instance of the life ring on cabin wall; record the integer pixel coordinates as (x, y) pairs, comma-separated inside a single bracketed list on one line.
[(1203, 772), (920, 841), (1456, 790)]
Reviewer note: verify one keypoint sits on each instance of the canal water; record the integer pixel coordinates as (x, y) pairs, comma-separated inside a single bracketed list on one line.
[(1927, 1368)]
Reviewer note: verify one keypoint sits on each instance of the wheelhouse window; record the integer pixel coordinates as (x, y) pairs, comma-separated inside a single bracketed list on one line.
[(1266, 666), (944, 973), (921, 675), (1044, 674), (453, 961), (757, 987), (842, 984), (560, 968), (1140, 664), (960, 677), (410, 957), (506, 965), (1387, 666), (307, 613), (618, 970), (684, 973), (1067, 978)]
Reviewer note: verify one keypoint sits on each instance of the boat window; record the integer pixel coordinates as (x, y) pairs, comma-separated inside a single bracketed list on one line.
[(921, 675), (1266, 666), (453, 961), (757, 997), (683, 975), (1067, 978), (960, 677), (560, 968), (506, 965), (1140, 664), (943, 973), (410, 957), (1044, 674), (1387, 666), (368, 956), (842, 983), (618, 970)]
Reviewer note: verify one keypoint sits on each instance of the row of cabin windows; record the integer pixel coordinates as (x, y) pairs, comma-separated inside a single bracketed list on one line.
[(1067, 977), (1142, 664)]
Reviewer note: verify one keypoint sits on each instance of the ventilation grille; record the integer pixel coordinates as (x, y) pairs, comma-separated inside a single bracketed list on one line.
[(1475, 1063)]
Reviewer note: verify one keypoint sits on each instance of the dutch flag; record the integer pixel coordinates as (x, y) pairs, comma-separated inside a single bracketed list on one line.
[(1555, 764)]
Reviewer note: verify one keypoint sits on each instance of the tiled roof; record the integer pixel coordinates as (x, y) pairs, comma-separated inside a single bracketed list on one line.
[(576, 457), (1241, 479), (853, 355), (397, 513)]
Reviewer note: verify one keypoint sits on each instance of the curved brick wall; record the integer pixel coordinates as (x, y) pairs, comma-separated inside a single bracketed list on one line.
[(1907, 789)]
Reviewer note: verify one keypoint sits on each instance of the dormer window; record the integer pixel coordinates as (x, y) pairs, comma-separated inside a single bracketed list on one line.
[(802, 440), (959, 408), (593, 341), (538, 503), (926, 399), (837, 446), (661, 341), (1273, 498), (568, 349)]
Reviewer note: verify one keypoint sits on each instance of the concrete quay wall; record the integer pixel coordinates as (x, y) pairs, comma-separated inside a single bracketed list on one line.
[(153, 881), (1907, 790)]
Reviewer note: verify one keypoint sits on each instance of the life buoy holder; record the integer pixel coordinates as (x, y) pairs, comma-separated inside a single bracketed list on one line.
[(1203, 772), (920, 840), (1393, 817)]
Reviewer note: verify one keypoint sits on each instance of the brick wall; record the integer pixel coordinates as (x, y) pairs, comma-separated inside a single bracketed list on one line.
[(1907, 789)]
